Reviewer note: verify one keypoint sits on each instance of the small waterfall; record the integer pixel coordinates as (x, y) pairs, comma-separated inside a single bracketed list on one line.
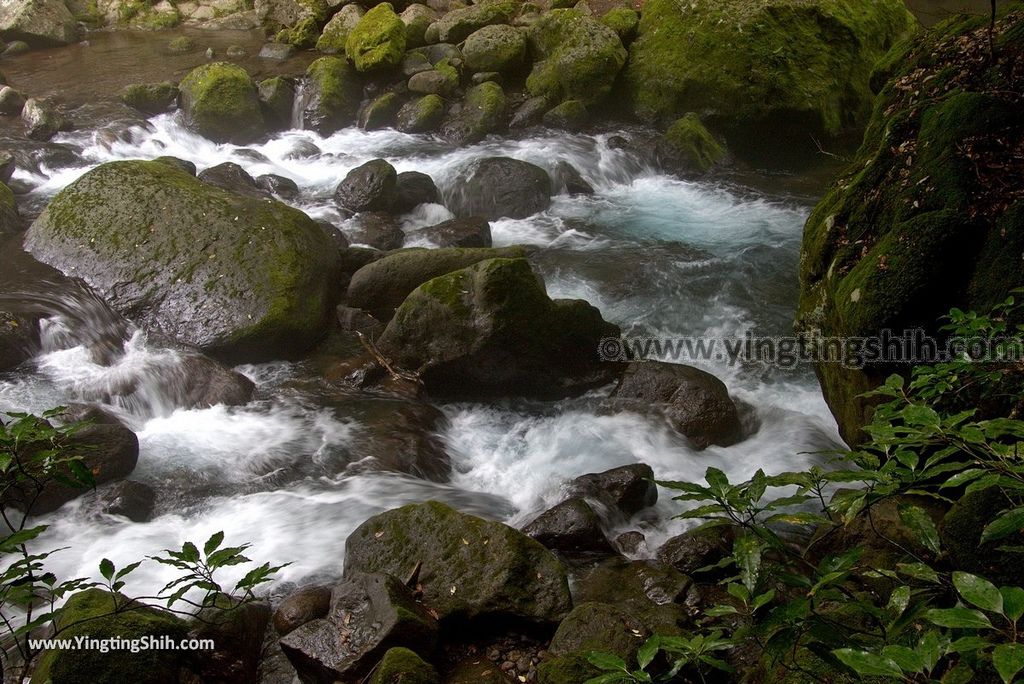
[(302, 98)]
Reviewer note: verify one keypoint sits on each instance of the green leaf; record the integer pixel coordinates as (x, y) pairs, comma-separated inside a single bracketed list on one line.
[(189, 552), (960, 618), (961, 674), (1013, 602), (212, 543), (606, 661), (920, 522), (1009, 660), (107, 569), (898, 601), (918, 571), (1003, 526), (868, 664), (645, 654), (747, 552), (716, 479), (930, 649), (978, 592), (907, 658)]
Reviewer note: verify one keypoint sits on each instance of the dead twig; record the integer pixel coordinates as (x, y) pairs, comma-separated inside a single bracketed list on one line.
[(384, 363)]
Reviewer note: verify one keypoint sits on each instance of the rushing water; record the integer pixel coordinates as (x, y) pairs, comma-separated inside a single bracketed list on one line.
[(658, 255)]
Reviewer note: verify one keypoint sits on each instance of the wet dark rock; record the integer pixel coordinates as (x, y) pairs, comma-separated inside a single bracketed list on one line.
[(15, 48), (277, 51), (501, 187), (277, 96), (485, 76), (282, 187), (352, 319), (303, 149), (7, 166), (434, 82), (473, 231), (421, 115), (635, 583), (42, 119), (133, 500), (380, 112), (599, 627), (238, 631), (249, 154), (530, 112), (402, 437), (11, 101), (376, 229), (469, 568), (19, 339), (150, 98), (477, 670), (627, 489), (632, 543), (566, 179), (209, 383), (696, 549), (331, 95), (573, 529), (413, 189), (696, 403), (570, 115), (182, 164), (481, 112), (370, 187), (233, 178), (370, 614), (298, 608)]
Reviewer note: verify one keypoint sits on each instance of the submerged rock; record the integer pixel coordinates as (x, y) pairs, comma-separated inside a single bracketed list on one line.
[(150, 98), (221, 103), (691, 147), (241, 278), (128, 498), (501, 187), (491, 329), (468, 567)]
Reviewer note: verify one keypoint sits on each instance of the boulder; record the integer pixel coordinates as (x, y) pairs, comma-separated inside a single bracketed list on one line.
[(402, 666), (372, 186), (150, 98), (495, 48), (40, 23), (331, 95), (301, 36), (202, 382), (298, 608), (624, 21), (571, 528), (241, 278), (482, 112), (278, 52), (599, 627), (501, 187), (91, 614), (233, 178), (459, 24), (383, 285), (401, 437), (335, 35), (960, 531), (566, 179), (370, 613), (473, 231), (279, 186), (8, 164), (276, 14), (19, 339), (652, 592), (442, 79), (752, 68), (377, 42), (695, 402), (380, 112), (468, 568), (238, 630), (571, 115), (42, 119), (221, 103), (491, 329), (11, 102), (691, 147), (576, 57), (15, 48), (413, 189), (530, 112), (698, 548), (417, 18), (180, 164), (627, 489), (376, 229), (130, 499), (421, 115), (277, 96), (181, 45)]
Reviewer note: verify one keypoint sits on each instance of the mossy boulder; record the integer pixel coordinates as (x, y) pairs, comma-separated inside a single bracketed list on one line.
[(332, 95), (624, 21), (97, 614), (377, 42), (458, 24), (221, 103), (495, 48), (242, 278), (40, 23), (491, 329), (910, 229), (571, 669), (383, 285), (421, 115), (402, 666), (483, 111), (599, 627), (277, 95), (380, 112), (960, 531), (571, 115), (10, 217), (150, 98), (442, 79), (575, 57), (692, 146), (749, 66), (335, 34), (417, 19), (469, 568)]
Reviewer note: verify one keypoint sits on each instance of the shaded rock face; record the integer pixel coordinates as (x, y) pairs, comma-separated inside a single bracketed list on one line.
[(369, 614), (150, 98), (40, 23), (491, 329), (413, 189), (403, 666), (233, 178), (370, 187), (240, 278), (128, 498), (695, 402), (208, 383), (474, 231), (42, 119), (19, 339), (721, 59), (277, 96), (501, 187), (573, 529), (330, 95), (305, 605), (495, 48), (471, 568), (960, 531), (696, 549), (221, 103), (627, 489), (376, 229), (482, 111), (238, 632)]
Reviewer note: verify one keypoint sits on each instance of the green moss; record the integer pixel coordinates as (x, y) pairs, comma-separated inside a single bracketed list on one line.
[(693, 142), (576, 57), (403, 666), (571, 115), (152, 20), (458, 24), (495, 48), (381, 112), (378, 41), (571, 669), (150, 98), (488, 98), (417, 18), (304, 35), (782, 63), (338, 92), (181, 45), (221, 103), (93, 613), (624, 21), (422, 115)]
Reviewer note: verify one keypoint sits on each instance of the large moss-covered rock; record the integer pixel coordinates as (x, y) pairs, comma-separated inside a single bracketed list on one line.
[(242, 278), (10, 218), (798, 65), (458, 24), (402, 666), (624, 21), (421, 115), (468, 567), (335, 34), (332, 95), (491, 329), (91, 613), (961, 529), (377, 42), (150, 98), (417, 19), (221, 103), (495, 48), (482, 112), (692, 146), (599, 627), (40, 23), (916, 226), (575, 57)]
